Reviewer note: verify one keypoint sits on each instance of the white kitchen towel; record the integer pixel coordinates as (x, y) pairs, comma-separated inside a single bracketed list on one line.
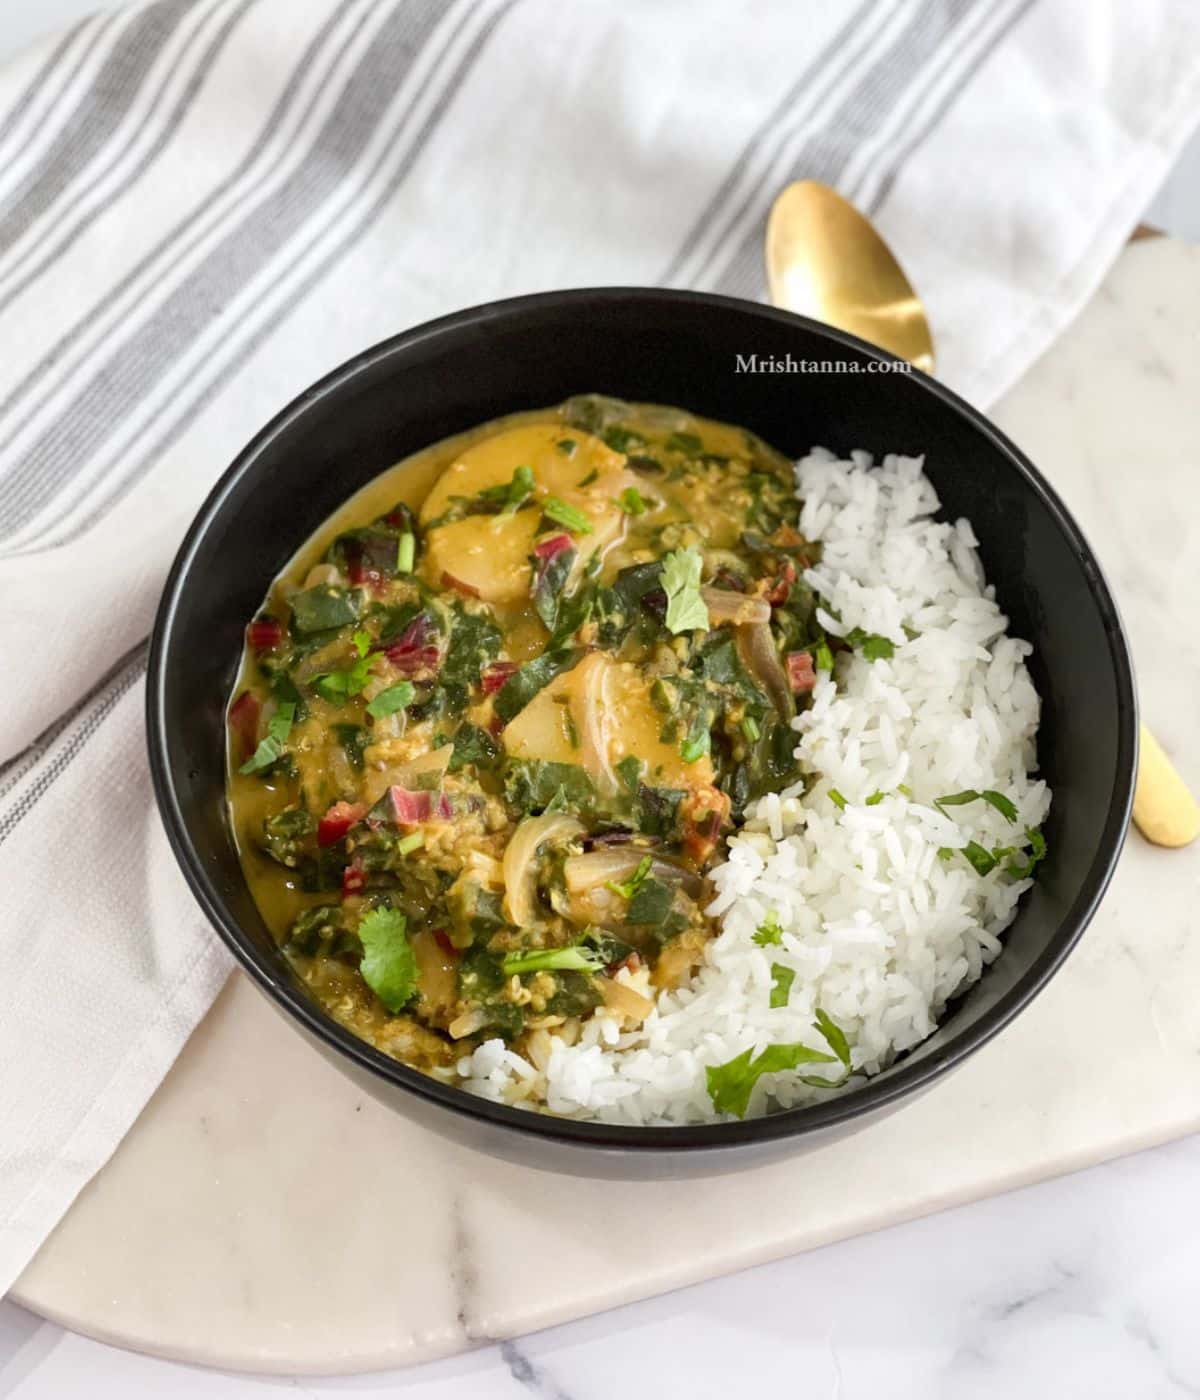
[(206, 204)]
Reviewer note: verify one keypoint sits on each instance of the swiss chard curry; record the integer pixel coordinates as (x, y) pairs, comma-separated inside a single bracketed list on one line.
[(485, 744)]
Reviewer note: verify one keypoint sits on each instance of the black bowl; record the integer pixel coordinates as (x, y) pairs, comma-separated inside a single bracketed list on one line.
[(689, 350)]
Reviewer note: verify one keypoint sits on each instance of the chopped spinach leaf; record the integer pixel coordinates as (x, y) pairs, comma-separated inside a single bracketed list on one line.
[(651, 902)]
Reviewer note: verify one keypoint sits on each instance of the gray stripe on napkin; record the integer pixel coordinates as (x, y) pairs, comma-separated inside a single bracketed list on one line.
[(826, 152), (41, 78), (824, 72), (92, 123), (211, 388), (17, 507), (97, 410), (62, 241), (80, 727), (916, 138)]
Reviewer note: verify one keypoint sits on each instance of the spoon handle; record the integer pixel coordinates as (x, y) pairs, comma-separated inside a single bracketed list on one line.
[(1164, 810)]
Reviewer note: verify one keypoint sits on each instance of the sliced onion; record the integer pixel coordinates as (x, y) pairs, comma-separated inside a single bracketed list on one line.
[(582, 873), (520, 862), (590, 676), (756, 647), (622, 999), (468, 1023), (724, 605), (323, 573)]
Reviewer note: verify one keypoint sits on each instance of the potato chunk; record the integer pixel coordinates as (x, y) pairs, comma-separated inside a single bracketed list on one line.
[(489, 554)]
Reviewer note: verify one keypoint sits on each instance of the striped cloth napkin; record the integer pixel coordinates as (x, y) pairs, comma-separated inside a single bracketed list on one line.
[(206, 204)]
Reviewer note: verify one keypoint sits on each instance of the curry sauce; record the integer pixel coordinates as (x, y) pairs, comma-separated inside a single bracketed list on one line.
[(494, 720)]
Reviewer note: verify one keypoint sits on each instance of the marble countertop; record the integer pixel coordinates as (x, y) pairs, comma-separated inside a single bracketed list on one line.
[(1084, 1286)]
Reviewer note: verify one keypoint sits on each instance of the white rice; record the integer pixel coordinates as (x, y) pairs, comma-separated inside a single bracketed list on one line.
[(879, 929)]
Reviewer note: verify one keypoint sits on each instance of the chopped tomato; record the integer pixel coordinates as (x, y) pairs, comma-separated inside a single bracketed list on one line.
[(495, 675)]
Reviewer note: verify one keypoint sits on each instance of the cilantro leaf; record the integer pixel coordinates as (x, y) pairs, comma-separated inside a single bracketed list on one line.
[(270, 749), (395, 697), (822, 656), (1004, 805), (632, 502), (1022, 868), (509, 495), (769, 931), (569, 516), (686, 610), (570, 959), (628, 888), (834, 1035), (872, 646), (339, 686), (781, 983), (980, 857), (730, 1085), (388, 966), (956, 799)]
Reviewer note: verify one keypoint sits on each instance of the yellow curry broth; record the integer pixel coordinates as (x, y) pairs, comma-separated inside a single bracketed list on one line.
[(601, 789)]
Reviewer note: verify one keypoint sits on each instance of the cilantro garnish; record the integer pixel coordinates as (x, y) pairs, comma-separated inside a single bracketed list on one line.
[(395, 697), (834, 1035), (567, 446), (730, 1085), (339, 686), (686, 610), (270, 749), (388, 966), (632, 502), (781, 983), (872, 646), (569, 516), (769, 931), (510, 494), (362, 642), (1004, 805), (570, 959), (628, 888), (822, 656)]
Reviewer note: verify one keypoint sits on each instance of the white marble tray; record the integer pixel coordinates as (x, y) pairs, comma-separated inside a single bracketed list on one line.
[(263, 1215)]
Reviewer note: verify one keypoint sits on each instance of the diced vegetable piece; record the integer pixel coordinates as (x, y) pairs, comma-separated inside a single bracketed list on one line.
[(338, 820), (495, 675), (264, 633), (800, 672), (243, 718), (406, 807)]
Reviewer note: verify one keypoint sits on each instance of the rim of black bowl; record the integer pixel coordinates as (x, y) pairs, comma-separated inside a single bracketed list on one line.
[(905, 1079)]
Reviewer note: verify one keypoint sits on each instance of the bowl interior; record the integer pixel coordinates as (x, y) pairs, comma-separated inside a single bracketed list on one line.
[(688, 350)]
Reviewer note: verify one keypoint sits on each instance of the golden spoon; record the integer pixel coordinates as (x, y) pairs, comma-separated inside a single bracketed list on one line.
[(827, 261)]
